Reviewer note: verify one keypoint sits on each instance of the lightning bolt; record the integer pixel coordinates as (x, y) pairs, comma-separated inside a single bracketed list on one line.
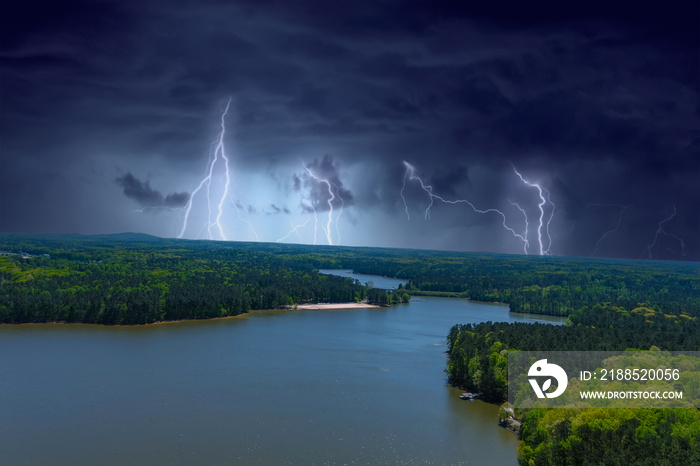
[(337, 219), (403, 188), (250, 225), (294, 230), (220, 148), (327, 228), (217, 152), (307, 203), (622, 208), (543, 201), (660, 230), (527, 224), (410, 175), (551, 216)]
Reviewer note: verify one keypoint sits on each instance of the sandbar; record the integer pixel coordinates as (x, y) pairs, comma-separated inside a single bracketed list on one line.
[(325, 306)]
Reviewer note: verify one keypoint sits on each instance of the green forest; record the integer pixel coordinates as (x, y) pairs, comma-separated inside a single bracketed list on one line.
[(136, 279), (609, 305), (541, 284)]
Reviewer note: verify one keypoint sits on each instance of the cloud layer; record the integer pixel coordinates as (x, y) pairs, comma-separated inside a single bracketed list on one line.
[(597, 102)]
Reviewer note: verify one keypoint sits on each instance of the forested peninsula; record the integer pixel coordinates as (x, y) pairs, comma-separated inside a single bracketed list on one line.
[(139, 279), (478, 362)]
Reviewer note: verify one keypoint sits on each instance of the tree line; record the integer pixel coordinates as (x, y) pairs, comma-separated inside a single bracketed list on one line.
[(133, 278), (532, 284), (122, 283)]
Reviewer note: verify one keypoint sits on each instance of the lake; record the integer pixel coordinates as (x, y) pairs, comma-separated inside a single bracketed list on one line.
[(274, 387), (386, 283)]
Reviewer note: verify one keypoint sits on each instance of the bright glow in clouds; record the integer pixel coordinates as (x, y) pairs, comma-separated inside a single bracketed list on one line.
[(216, 187), (316, 190), (327, 228)]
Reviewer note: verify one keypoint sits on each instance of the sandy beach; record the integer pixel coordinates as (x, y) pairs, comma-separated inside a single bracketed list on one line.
[(337, 306)]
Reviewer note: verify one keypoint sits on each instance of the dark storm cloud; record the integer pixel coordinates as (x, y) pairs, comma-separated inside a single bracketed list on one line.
[(598, 101), (141, 192), (278, 210), (319, 175), (176, 199), (249, 208), (452, 179)]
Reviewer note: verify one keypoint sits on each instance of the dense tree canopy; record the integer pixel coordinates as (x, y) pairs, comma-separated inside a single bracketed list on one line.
[(117, 282), (134, 278), (542, 285)]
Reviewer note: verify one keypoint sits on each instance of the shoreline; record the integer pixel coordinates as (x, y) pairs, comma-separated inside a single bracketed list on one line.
[(456, 296), (164, 322), (160, 322), (301, 307)]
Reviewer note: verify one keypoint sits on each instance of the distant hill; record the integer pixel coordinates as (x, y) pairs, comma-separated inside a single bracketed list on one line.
[(130, 236)]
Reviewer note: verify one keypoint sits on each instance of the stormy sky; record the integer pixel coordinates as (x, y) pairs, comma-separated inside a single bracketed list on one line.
[(369, 123)]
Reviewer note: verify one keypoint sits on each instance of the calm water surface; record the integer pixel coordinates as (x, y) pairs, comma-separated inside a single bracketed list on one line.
[(385, 283), (276, 387)]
